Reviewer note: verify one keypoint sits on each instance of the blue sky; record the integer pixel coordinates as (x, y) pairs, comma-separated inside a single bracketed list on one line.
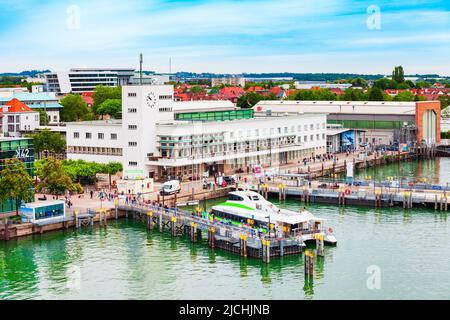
[(228, 36)]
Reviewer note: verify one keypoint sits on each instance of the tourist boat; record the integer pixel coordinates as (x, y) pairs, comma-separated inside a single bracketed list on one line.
[(250, 208)]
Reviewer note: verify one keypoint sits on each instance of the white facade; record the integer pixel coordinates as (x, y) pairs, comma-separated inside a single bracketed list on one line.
[(155, 145), (85, 80), (15, 124), (232, 81), (142, 108), (96, 141)]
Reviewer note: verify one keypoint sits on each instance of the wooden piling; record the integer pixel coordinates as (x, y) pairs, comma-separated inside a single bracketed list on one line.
[(320, 245), (149, 220), (173, 226), (161, 226)]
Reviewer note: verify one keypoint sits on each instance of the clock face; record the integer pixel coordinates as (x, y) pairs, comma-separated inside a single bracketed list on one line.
[(151, 100)]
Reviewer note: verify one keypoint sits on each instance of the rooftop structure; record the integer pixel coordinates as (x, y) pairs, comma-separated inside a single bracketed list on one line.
[(79, 80), (383, 122)]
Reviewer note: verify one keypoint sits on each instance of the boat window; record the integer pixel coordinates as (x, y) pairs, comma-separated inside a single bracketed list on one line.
[(234, 197), (256, 198)]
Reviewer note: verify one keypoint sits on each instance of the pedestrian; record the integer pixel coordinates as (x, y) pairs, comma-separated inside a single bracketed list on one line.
[(92, 194)]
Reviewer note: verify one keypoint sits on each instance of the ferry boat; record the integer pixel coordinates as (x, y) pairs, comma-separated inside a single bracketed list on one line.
[(251, 208)]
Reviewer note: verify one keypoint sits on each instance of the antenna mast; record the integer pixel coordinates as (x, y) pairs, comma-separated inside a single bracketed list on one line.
[(141, 60)]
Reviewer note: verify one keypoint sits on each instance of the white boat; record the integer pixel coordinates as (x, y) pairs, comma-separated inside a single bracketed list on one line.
[(251, 208)]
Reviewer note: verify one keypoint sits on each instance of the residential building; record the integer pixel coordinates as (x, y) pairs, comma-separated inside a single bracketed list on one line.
[(383, 122), (43, 101), (86, 79), (231, 81), (18, 119)]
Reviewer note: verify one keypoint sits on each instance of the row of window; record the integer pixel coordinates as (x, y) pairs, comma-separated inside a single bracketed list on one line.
[(100, 136), (162, 97), (265, 131), (16, 119), (95, 151)]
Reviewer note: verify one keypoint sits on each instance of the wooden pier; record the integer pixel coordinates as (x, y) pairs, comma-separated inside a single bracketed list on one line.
[(371, 195), (231, 238)]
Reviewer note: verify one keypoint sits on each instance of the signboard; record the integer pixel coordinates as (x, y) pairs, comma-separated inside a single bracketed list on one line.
[(350, 170), (257, 169), (27, 214)]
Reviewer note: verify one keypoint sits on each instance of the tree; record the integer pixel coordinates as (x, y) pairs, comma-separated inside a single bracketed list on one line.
[(197, 90), (53, 178), (74, 109), (398, 75), (405, 96), (111, 169), (249, 100), (353, 95), (112, 107), (43, 118), (423, 84), (359, 82), (385, 83), (445, 101), (16, 183), (48, 141), (103, 93), (376, 94)]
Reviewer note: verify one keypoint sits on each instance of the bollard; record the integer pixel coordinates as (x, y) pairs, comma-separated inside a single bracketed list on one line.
[(320, 246), (173, 226), (149, 220)]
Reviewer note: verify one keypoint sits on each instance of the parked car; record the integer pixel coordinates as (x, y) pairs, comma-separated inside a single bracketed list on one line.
[(170, 188)]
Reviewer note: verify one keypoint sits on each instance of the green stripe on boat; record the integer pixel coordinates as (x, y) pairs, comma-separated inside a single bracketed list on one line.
[(236, 205)]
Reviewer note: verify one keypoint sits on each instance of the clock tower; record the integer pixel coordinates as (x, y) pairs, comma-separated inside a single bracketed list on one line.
[(142, 108)]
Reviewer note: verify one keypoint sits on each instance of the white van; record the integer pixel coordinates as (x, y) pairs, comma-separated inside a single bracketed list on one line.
[(170, 187)]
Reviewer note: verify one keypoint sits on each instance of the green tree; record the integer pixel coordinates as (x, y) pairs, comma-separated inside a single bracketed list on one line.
[(48, 141), (112, 107), (16, 183), (111, 169), (405, 96), (43, 118), (376, 94), (103, 93), (359, 82), (74, 109), (423, 84), (385, 83), (249, 100), (197, 90), (445, 101), (353, 95), (53, 178), (398, 75)]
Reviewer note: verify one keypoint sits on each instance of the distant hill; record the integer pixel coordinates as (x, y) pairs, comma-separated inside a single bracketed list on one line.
[(31, 73)]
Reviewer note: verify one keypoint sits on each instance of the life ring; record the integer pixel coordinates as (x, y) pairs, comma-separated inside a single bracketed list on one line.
[(348, 192)]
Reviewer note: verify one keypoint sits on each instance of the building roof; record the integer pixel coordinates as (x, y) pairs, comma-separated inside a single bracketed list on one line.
[(16, 106), (339, 107), (111, 122), (205, 105)]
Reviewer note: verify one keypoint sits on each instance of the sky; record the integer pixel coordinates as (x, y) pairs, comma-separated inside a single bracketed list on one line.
[(227, 36)]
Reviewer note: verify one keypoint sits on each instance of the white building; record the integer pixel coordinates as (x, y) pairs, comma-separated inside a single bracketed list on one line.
[(232, 81), (155, 145), (97, 141), (18, 119), (82, 80), (42, 101)]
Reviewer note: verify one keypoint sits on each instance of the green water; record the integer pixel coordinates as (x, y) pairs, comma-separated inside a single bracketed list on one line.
[(410, 248)]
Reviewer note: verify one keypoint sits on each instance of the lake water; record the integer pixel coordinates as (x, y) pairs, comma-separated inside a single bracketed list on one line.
[(407, 254)]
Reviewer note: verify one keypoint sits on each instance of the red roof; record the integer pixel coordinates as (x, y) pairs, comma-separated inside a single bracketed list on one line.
[(232, 91), (16, 105), (255, 89), (87, 97)]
